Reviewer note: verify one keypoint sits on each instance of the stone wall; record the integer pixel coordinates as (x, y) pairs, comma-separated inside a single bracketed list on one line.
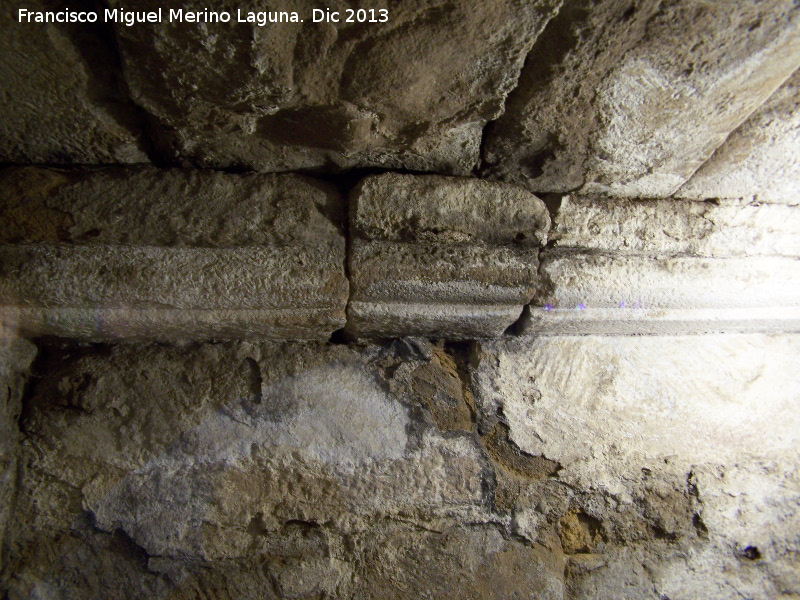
[(178, 255), (485, 300), (555, 467)]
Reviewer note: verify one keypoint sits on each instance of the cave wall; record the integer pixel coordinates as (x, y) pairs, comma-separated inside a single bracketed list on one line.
[(491, 300)]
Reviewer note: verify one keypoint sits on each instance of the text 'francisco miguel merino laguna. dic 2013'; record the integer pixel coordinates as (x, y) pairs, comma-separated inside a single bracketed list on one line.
[(179, 15)]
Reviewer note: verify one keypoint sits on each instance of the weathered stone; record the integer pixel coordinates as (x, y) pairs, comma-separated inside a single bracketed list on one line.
[(459, 274), (459, 563), (437, 320), (298, 95), (212, 455), (661, 266), (659, 321), (144, 253), (600, 293), (164, 324), (515, 473), (631, 99), (144, 206), (395, 207), (622, 576), (704, 415), (681, 473), (87, 563), (438, 386), (16, 356), (664, 227), (61, 100), (608, 467), (439, 256), (758, 160), (750, 513)]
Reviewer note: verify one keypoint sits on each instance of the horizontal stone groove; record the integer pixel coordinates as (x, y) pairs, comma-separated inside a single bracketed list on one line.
[(263, 256)]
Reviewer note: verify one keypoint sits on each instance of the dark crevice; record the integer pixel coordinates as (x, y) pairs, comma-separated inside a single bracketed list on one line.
[(340, 337), (748, 553), (660, 533), (254, 379), (124, 545), (118, 541), (54, 358), (410, 347), (344, 185), (544, 284), (483, 166), (517, 328), (553, 203), (534, 165), (699, 527)]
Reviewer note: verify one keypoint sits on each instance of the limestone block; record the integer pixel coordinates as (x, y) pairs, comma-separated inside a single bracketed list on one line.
[(752, 508), (630, 99), (412, 89), (664, 227), (437, 256), (437, 320), (241, 457), (659, 321), (144, 253), (62, 102), (759, 159), (587, 402), (466, 273), (599, 293), (701, 430)]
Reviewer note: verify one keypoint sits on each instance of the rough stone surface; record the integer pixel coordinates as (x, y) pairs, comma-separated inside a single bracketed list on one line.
[(173, 254), (287, 470), (413, 92), (607, 282), (726, 229), (759, 159), (441, 320), (397, 207), (557, 468), (679, 457), (663, 266), (16, 356), (588, 293), (62, 102), (441, 465), (438, 256), (145, 206), (634, 320), (469, 273), (631, 99)]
